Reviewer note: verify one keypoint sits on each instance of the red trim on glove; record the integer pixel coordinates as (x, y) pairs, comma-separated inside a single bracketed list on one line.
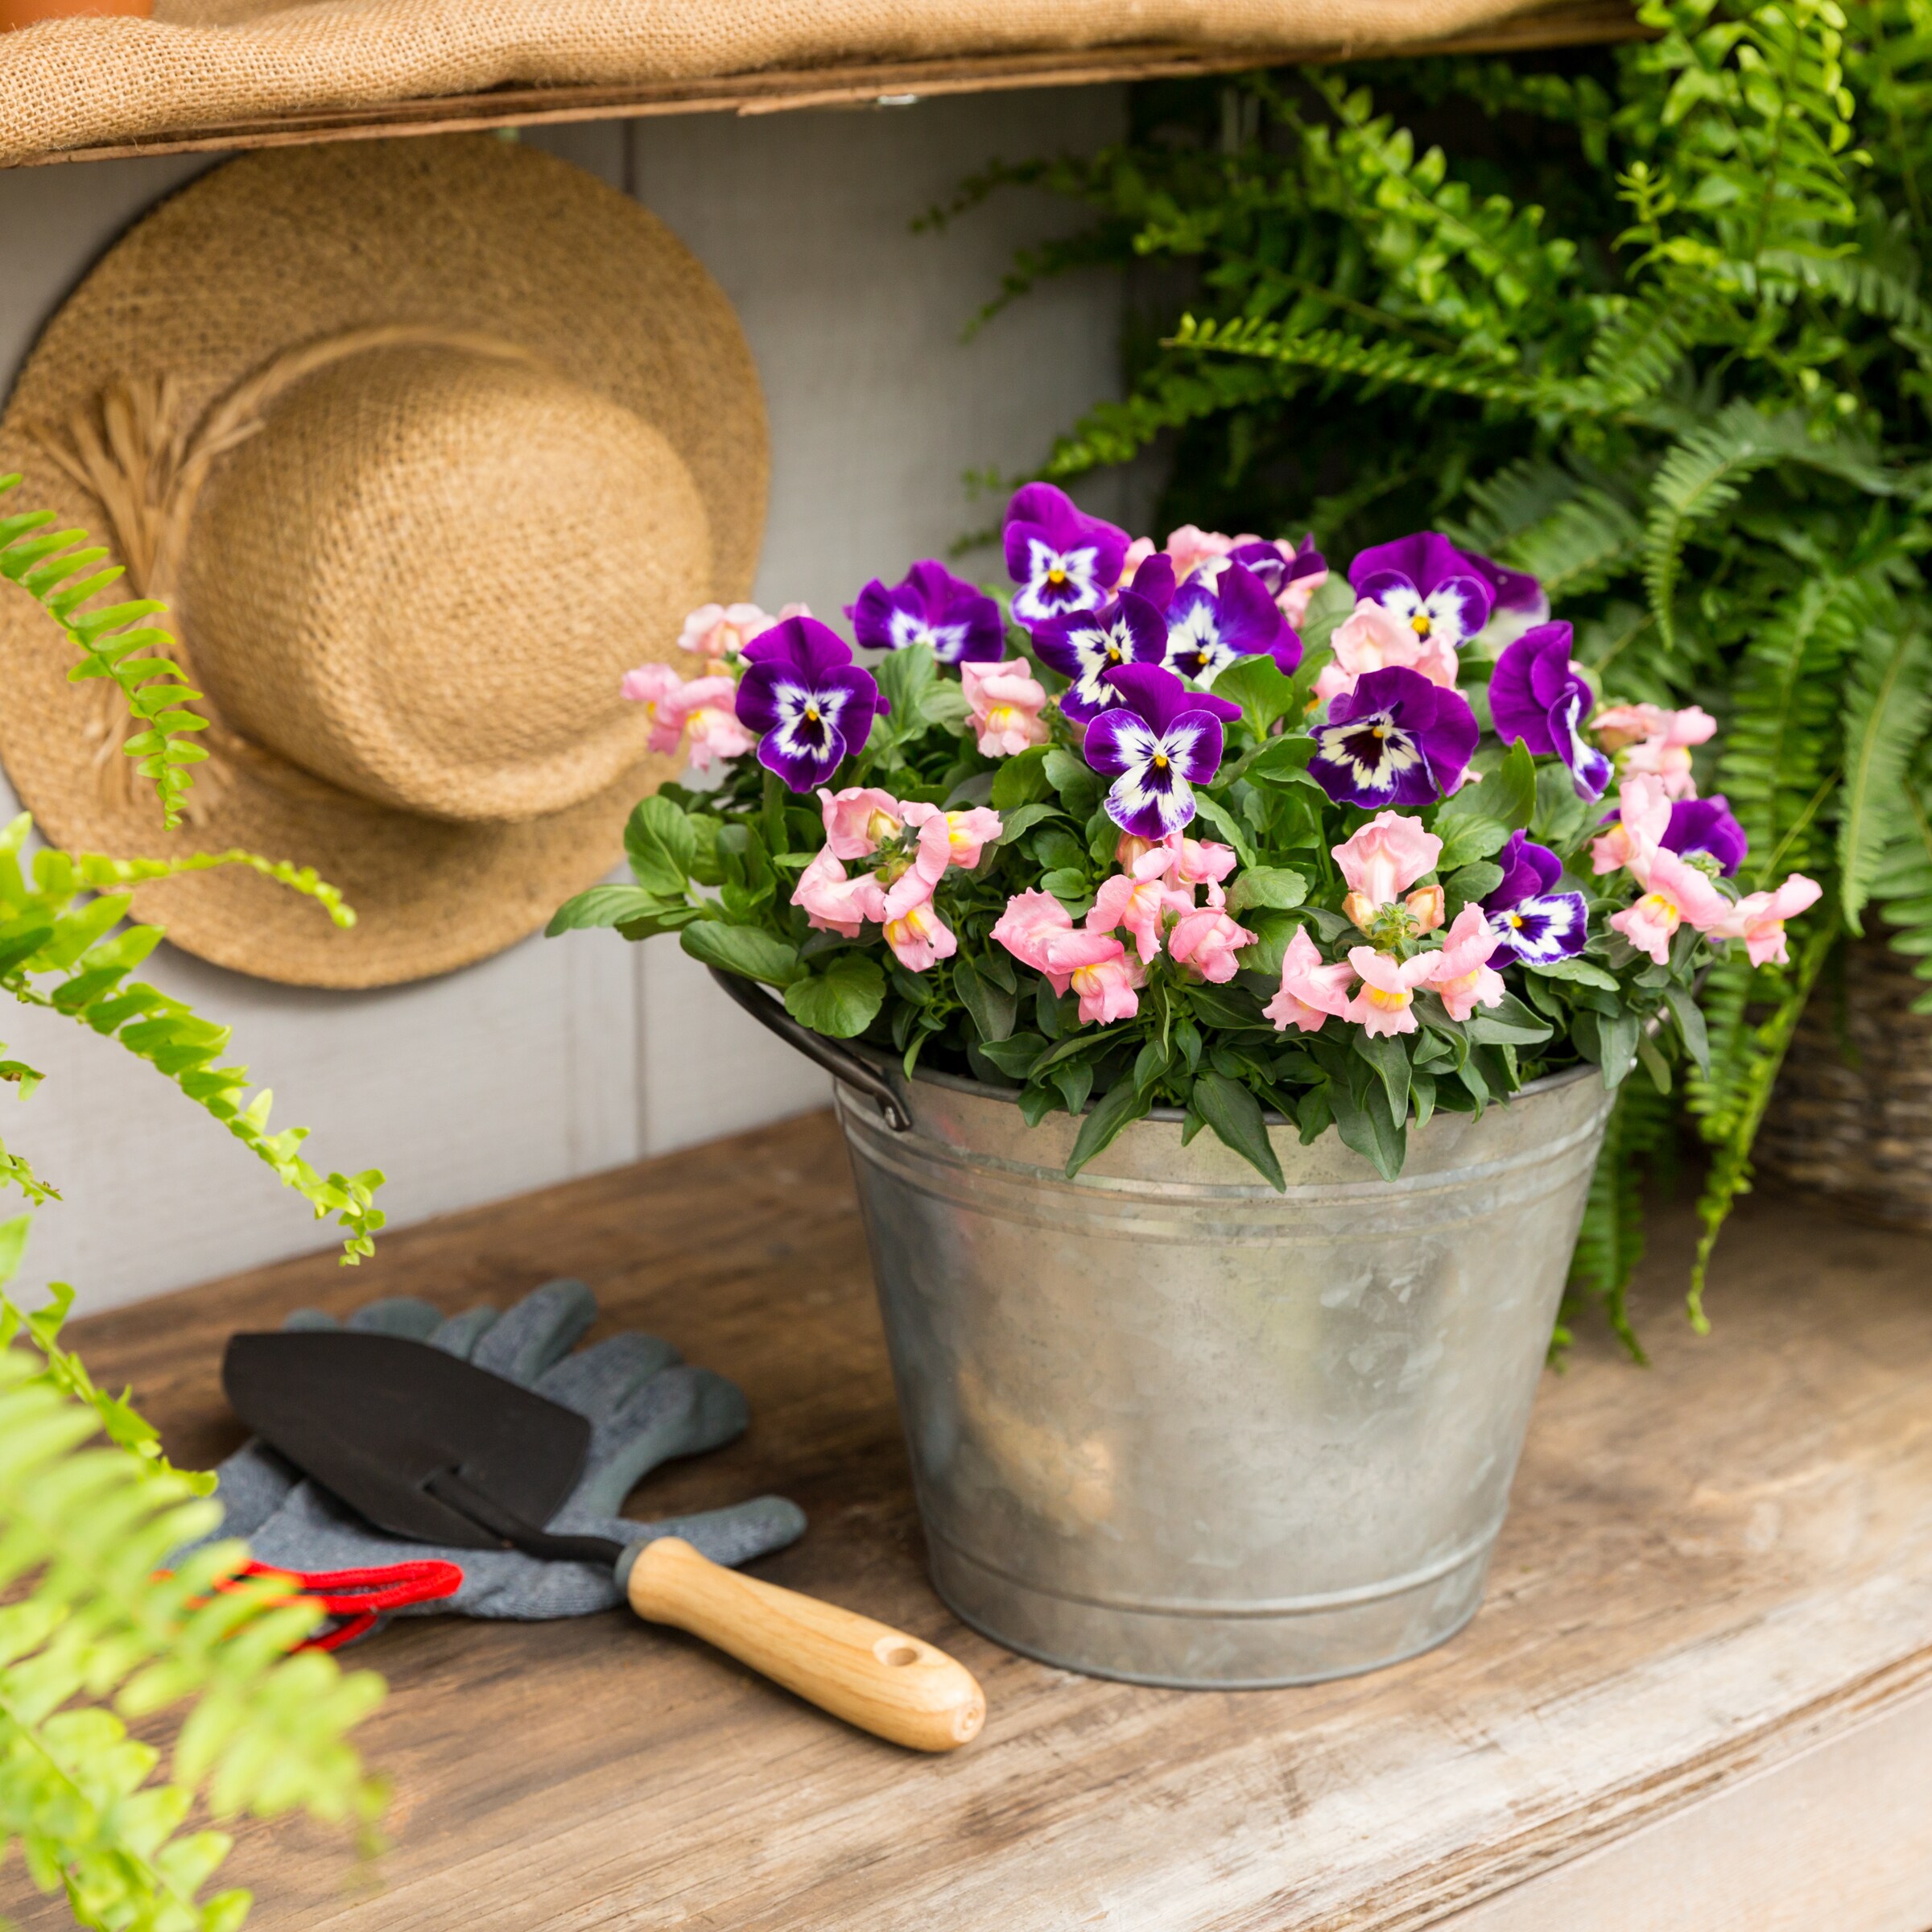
[(360, 1596)]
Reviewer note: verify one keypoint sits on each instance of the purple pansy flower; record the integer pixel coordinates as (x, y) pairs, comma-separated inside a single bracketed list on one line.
[(1159, 742), (810, 702), (1534, 924), (930, 605), (1520, 599), (1087, 644), (1062, 559), (1704, 829), (1428, 582), (1395, 740), (1534, 696), (1211, 625), (1279, 564)]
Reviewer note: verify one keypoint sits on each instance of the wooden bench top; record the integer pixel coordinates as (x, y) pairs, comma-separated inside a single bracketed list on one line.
[(1699, 1696)]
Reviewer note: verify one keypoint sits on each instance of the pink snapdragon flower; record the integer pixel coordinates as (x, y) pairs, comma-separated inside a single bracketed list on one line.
[(1664, 751), (1200, 862), (720, 631), (1758, 919), (1428, 907), (1206, 941), (915, 932), (1007, 700), (697, 717), (1297, 594), (1675, 893), (1375, 637), (1643, 817), (1384, 1003), (1038, 931), (1617, 725), (1461, 973), (951, 838), (1382, 861), (860, 819), (833, 903), (1188, 548), (1311, 993), (1141, 901)]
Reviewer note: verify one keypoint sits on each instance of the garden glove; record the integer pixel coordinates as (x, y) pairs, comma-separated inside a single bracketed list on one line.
[(644, 1405)]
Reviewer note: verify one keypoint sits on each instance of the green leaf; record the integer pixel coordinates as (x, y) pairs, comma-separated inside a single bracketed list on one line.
[(604, 906), (1469, 837), (1259, 687), (1475, 881), (1368, 1127), (1021, 779), (747, 950), (1580, 972), (1020, 818), (1015, 1055), (1283, 761), (1235, 1117), (1509, 1023), (1689, 1018), (1276, 888), (1224, 822), (994, 1009), (660, 845), (1887, 702), (841, 1001), (905, 677), (1119, 1107), (1508, 793), (1388, 1054)]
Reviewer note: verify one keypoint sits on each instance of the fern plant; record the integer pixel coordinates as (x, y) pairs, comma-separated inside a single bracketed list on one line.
[(96, 1631), (1652, 324)]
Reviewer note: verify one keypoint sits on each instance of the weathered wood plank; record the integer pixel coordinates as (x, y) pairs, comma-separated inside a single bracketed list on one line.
[(1717, 1580), (890, 83)]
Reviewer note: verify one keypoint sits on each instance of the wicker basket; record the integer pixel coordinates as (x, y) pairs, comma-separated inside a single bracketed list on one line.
[(1851, 1117)]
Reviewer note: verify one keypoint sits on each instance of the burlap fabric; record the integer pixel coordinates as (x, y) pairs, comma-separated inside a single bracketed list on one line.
[(427, 443), (201, 63)]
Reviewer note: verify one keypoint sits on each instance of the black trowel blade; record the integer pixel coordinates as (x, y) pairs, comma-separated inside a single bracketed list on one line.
[(373, 1417)]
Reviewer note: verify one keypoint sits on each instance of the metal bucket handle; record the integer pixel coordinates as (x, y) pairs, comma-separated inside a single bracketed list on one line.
[(840, 1062)]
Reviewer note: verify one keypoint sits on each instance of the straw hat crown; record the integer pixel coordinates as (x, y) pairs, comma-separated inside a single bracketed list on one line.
[(426, 445)]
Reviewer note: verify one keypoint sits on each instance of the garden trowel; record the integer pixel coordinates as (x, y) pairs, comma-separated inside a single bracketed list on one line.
[(430, 1447)]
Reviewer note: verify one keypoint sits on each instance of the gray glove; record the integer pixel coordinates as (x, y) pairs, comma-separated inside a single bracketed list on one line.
[(644, 1406)]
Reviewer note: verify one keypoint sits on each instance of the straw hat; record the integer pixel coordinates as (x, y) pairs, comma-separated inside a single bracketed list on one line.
[(425, 443)]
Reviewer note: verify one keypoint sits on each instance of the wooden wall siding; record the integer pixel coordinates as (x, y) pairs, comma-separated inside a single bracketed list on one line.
[(564, 1057), (890, 84), (1698, 1699)]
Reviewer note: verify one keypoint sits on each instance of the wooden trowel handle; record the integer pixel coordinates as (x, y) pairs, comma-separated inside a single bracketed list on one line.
[(869, 1673)]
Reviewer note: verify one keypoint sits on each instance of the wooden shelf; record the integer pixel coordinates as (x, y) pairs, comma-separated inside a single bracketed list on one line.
[(1572, 23), (1699, 1695)]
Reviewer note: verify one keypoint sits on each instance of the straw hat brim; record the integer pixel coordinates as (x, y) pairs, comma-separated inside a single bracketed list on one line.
[(459, 232)]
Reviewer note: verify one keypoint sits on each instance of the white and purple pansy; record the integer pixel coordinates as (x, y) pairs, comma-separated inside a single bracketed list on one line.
[(1705, 828), (1429, 584), (1520, 600), (1279, 564), (1531, 922), (930, 605), (1061, 559), (1087, 644), (1159, 742), (1395, 740), (1536, 697), (1209, 625), (810, 703)]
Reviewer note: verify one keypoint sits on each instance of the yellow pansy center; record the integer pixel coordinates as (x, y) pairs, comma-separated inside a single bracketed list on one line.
[(1419, 624)]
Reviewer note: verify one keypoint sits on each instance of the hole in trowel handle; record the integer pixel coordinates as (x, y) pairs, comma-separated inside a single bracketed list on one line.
[(896, 1651)]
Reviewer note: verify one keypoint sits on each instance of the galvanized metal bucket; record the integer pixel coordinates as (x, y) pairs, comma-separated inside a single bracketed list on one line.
[(1169, 1426)]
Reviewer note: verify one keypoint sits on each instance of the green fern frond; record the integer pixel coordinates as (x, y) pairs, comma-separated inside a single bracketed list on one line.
[(56, 568), (1888, 700), (1703, 474), (267, 1732), (1337, 352), (1733, 1129), (1611, 1243), (1901, 885)]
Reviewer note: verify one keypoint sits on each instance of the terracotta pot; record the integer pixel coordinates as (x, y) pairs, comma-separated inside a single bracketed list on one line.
[(28, 12)]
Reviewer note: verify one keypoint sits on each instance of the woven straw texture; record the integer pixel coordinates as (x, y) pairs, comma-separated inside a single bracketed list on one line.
[(203, 64), (1851, 1117), (498, 431)]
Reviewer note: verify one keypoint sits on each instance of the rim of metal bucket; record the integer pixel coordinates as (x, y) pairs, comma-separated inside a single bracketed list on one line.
[(867, 1071)]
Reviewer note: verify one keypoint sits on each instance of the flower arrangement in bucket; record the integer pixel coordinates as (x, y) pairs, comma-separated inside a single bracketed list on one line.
[(1203, 836), (1140, 840)]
